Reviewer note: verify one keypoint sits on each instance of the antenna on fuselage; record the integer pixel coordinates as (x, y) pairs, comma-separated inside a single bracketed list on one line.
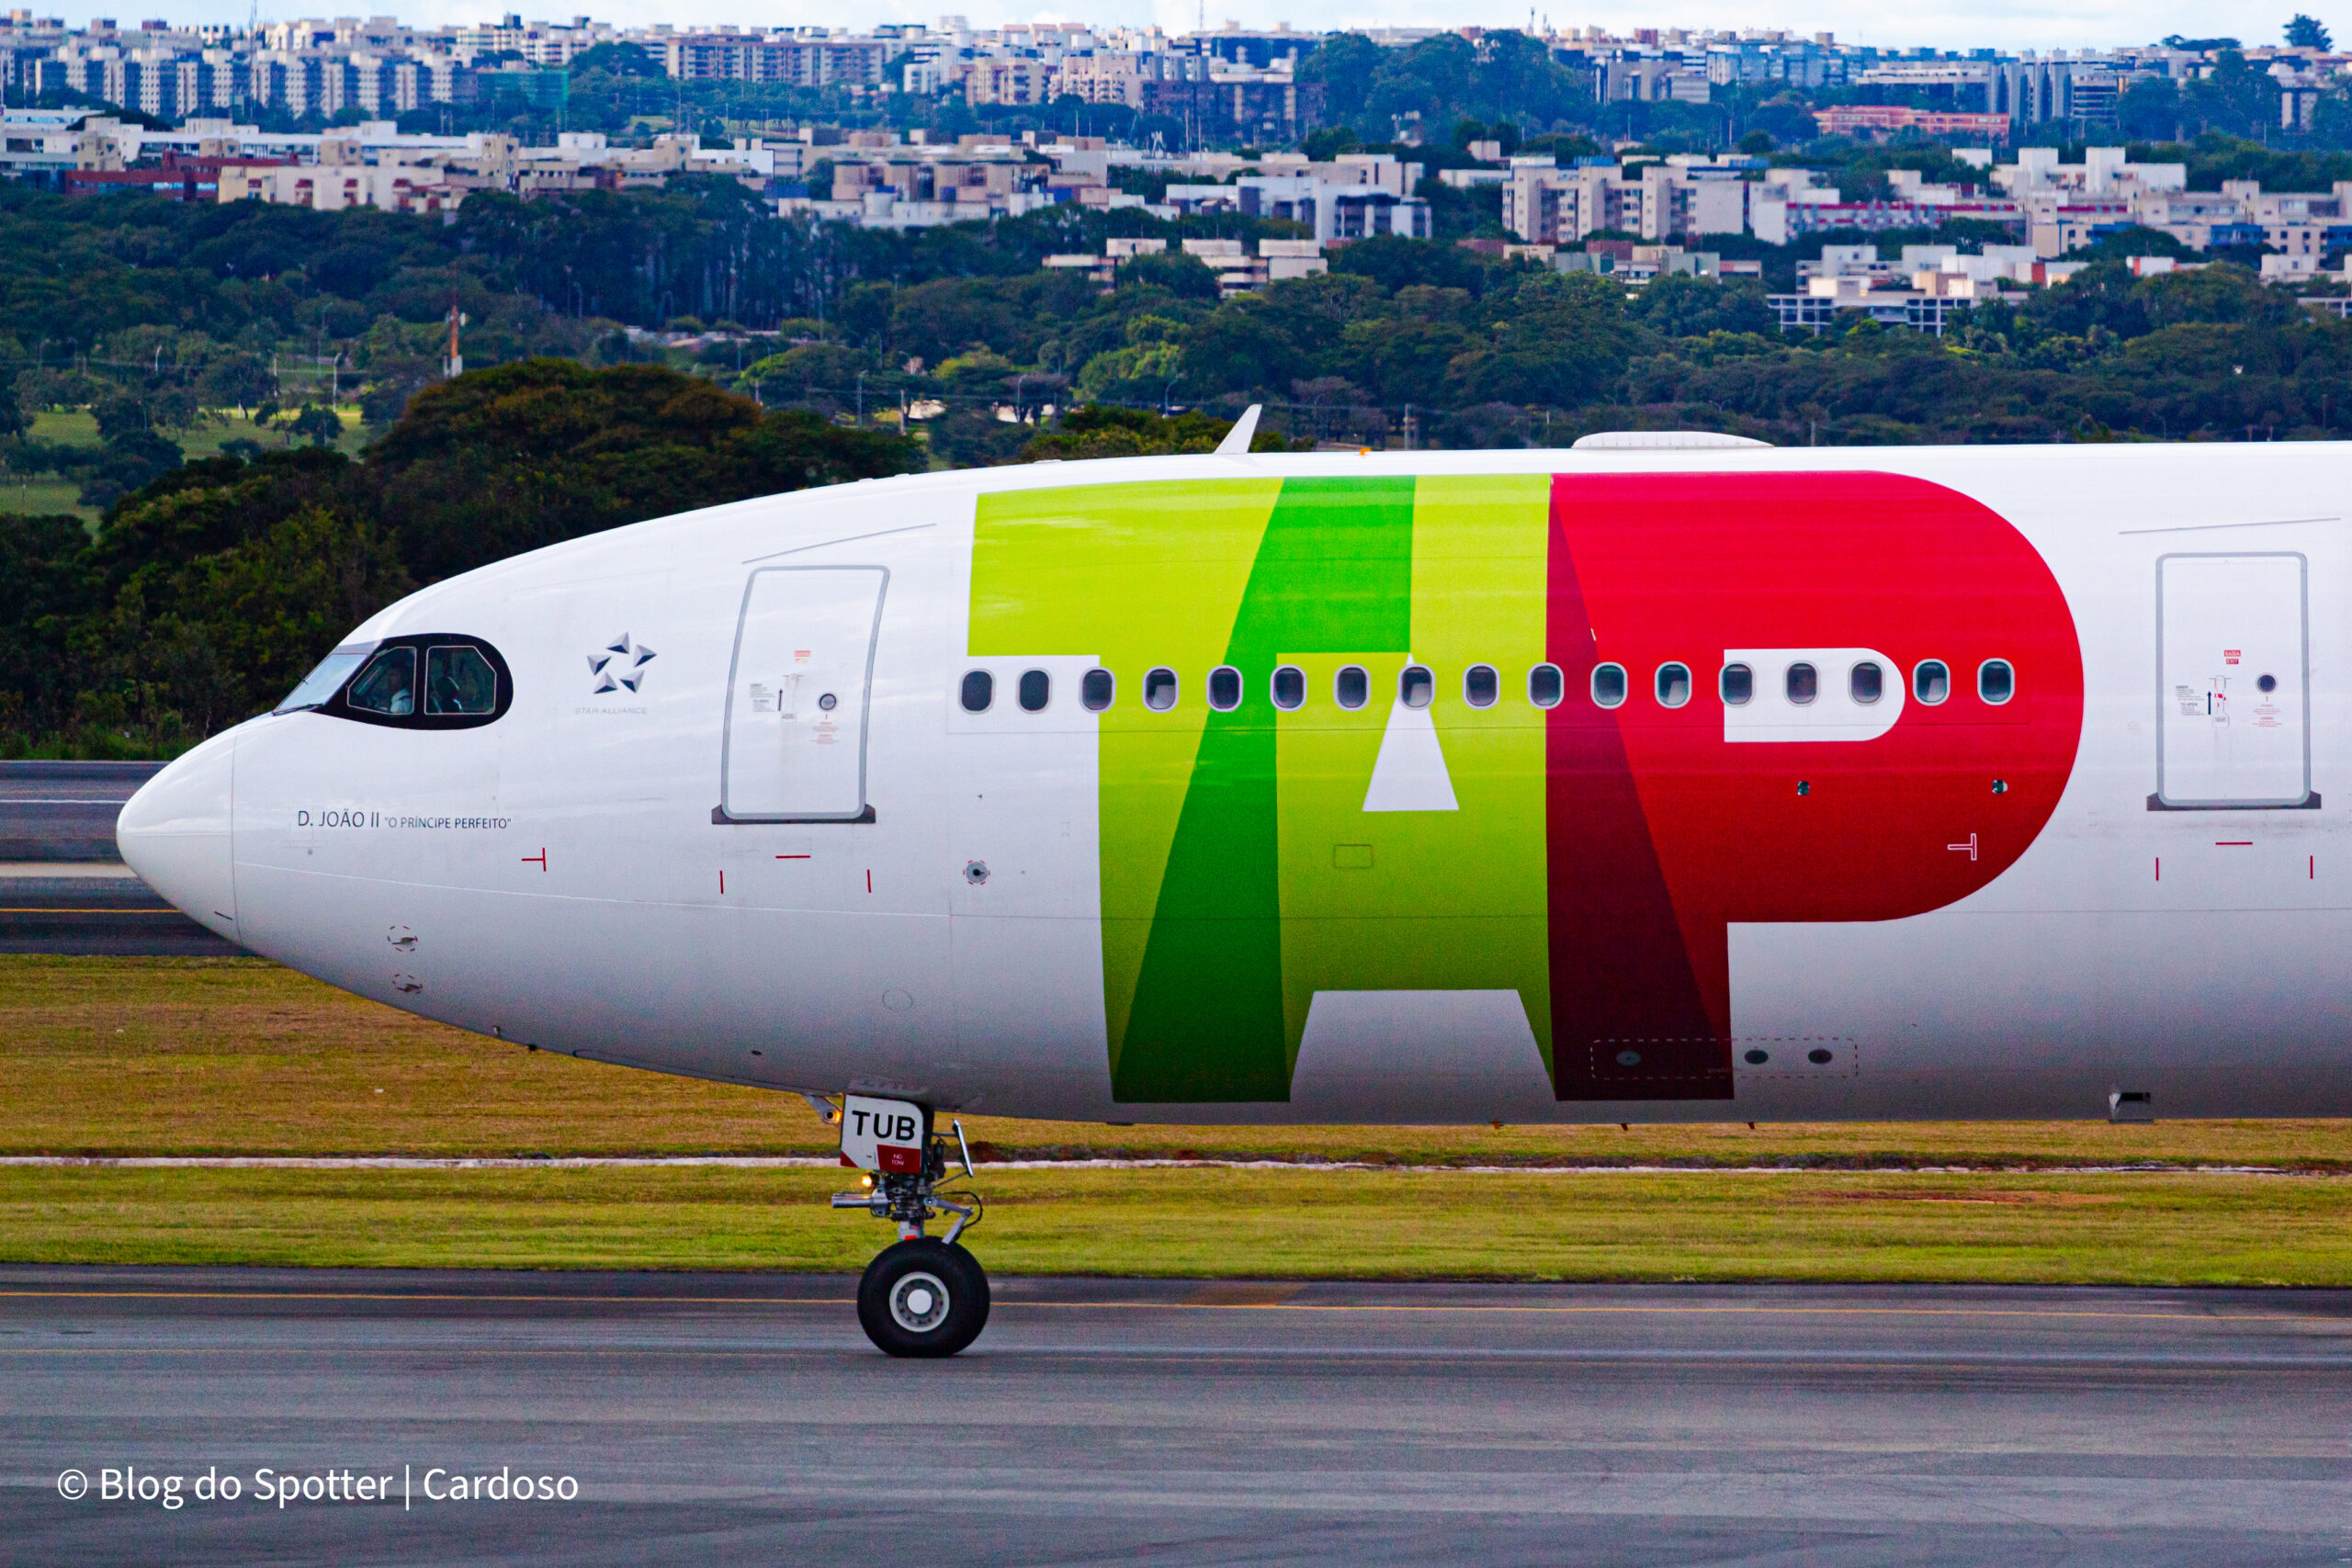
[(1237, 440)]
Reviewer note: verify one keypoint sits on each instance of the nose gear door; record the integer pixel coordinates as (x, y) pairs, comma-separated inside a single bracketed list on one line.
[(798, 693)]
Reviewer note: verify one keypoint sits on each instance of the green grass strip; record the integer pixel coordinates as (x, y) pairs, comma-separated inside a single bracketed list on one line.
[(2133, 1229)]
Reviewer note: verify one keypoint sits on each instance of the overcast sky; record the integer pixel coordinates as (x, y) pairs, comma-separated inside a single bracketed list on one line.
[(2040, 24)]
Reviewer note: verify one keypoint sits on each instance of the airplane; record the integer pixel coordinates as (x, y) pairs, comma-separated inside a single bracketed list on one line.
[(1670, 778)]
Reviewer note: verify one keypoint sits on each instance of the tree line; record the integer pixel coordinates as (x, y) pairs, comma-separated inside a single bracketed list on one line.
[(203, 596)]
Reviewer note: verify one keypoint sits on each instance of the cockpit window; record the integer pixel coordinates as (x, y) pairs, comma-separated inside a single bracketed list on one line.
[(460, 680), (433, 681), (327, 679), (387, 686)]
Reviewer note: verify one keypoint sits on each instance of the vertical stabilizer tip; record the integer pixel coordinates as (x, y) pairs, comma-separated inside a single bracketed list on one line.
[(1237, 440)]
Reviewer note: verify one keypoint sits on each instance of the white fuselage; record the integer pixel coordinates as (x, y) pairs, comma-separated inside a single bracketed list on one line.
[(599, 872)]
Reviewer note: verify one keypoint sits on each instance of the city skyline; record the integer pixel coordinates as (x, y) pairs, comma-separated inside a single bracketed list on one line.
[(2005, 24)]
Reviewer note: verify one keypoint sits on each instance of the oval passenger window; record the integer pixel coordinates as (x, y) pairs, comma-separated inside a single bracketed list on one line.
[(1608, 684), (1803, 684), (1416, 686), (1865, 683), (1737, 684), (1159, 689), (1481, 686), (1996, 682), (1352, 688), (1037, 686), (979, 691), (1673, 686), (1095, 689), (1225, 688), (1544, 685), (1931, 682), (1289, 687)]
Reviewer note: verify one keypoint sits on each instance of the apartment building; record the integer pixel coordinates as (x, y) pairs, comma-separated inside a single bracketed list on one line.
[(1679, 198)]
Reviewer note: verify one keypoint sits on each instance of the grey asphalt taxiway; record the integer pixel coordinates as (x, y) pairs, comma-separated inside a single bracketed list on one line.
[(63, 888), (743, 1419)]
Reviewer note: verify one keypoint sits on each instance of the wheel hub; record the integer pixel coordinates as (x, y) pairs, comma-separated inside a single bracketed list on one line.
[(919, 1302)]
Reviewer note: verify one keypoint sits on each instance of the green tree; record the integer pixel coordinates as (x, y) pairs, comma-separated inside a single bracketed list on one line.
[(1690, 307), (617, 60), (318, 425), (2307, 32), (503, 460)]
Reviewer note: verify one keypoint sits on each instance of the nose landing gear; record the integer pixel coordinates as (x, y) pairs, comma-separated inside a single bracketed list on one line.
[(924, 1296)]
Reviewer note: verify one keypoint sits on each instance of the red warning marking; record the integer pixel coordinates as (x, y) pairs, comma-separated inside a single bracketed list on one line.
[(2233, 843), (869, 882), (2160, 868), (791, 857), (722, 884), (540, 860)]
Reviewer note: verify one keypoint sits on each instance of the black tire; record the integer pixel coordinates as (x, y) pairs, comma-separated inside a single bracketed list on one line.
[(899, 1304)]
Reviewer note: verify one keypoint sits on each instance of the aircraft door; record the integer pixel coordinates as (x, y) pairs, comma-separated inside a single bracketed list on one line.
[(798, 693), (2233, 701)]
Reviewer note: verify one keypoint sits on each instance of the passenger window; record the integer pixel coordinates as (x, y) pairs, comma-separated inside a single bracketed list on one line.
[(460, 680), (1352, 688), (1546, 684), (1290, 687), (979, 691), (1608, 684), (388, 686), (1095, 689), (1737, 684), (1225, 688), (1481, 686), (1803, 683), (1035, 687), (1416, 686), (1159, 689), (1996, 682), (1931, 682), (1865, 683), (1673, 686)]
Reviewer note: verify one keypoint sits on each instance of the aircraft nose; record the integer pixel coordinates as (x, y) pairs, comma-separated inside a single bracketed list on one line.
[(175, 834)]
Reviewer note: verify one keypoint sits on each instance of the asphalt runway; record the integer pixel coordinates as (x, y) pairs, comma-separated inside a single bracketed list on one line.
[(720, 1419), (63, 888)]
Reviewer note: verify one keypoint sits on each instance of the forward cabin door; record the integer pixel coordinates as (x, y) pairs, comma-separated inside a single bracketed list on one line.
[(798, 695), (2233, 716)]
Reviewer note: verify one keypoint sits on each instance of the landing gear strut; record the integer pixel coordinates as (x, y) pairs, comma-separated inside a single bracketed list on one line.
[(925, 1295)]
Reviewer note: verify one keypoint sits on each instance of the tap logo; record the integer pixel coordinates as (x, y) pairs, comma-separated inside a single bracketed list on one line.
[(620, 664)]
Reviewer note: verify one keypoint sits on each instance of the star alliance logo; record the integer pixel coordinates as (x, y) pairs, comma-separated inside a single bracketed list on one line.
[(620, 664)]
